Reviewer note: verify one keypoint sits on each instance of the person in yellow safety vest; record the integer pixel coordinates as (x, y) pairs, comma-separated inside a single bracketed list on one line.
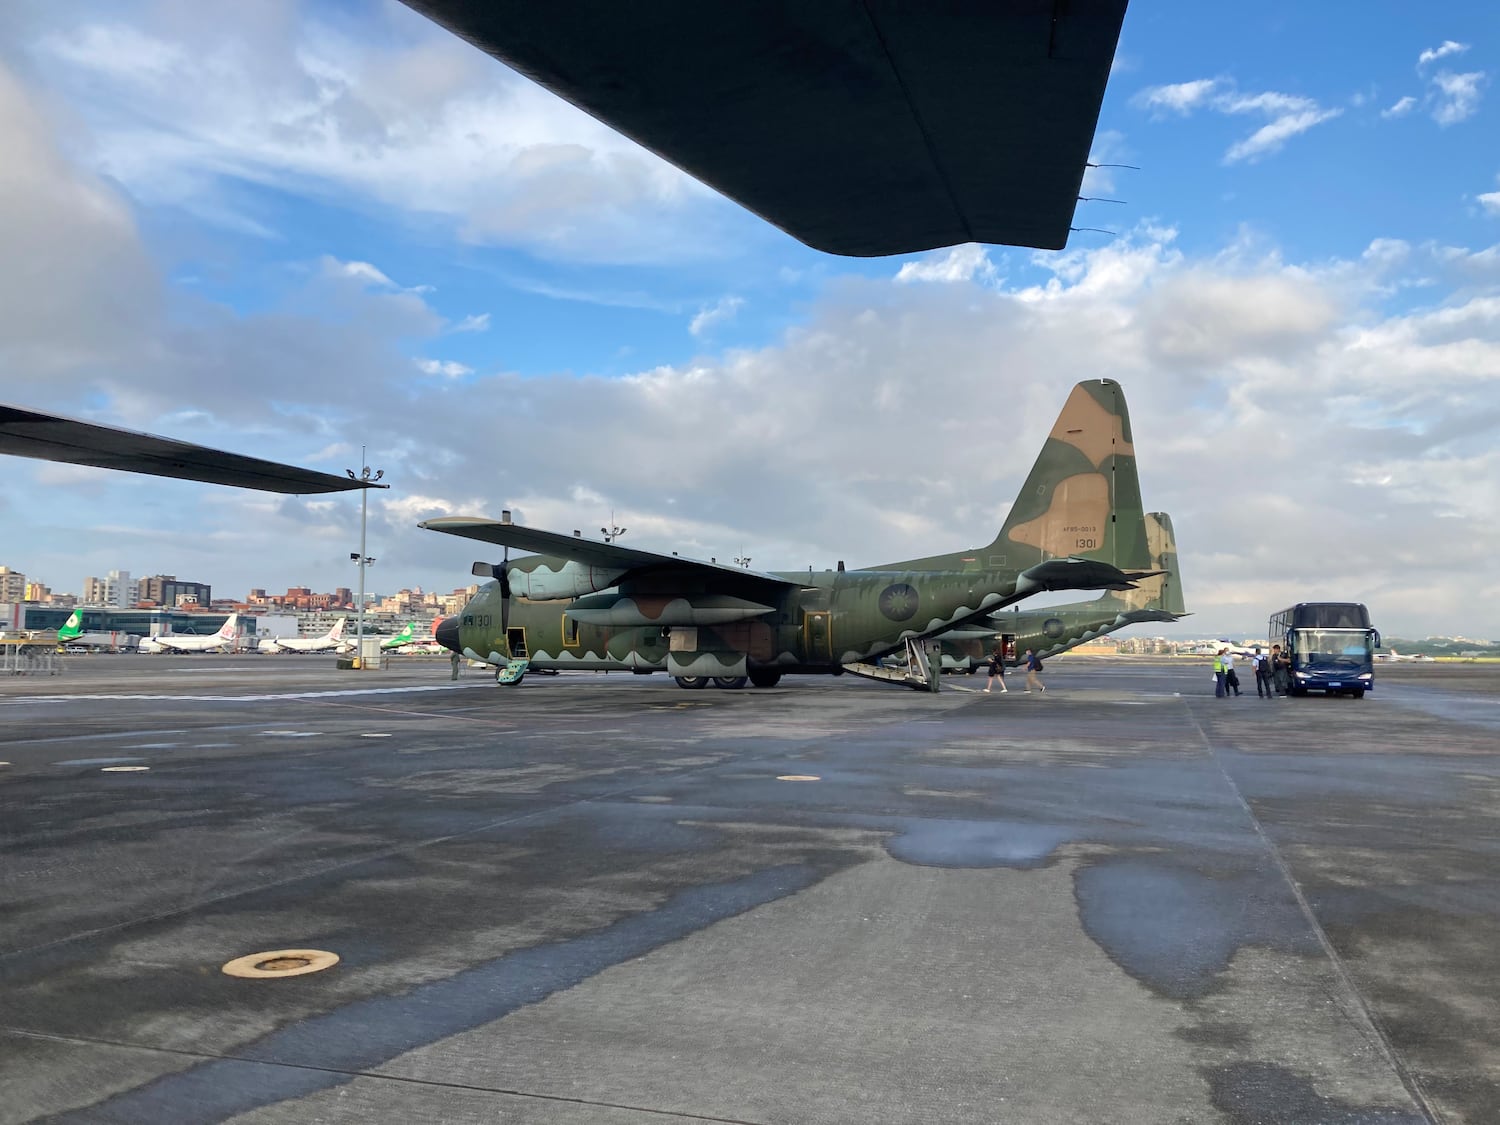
[(1219, 670)]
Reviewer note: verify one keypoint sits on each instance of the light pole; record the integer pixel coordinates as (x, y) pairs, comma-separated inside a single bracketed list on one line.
[(612, 532), (362, 559)]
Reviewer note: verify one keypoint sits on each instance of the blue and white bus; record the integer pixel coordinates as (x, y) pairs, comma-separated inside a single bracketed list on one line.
[(1331, 646)]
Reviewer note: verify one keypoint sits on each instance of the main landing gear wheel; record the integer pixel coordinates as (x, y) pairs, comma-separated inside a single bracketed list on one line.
[(691, 681), (763, 678), (730, 683)]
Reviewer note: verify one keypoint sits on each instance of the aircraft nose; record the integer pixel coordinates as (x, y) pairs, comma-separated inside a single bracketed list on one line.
[(447, 634)]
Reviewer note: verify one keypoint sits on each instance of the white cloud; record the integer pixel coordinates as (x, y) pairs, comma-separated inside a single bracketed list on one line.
[(720, 312), (1432, 54), (1270, 138), (1180, 97), (1457, 96), (474, 322), (968, 262), (1490, 201), (359, 271), (447, 369), (1401, 108), (1290, 114), (415, 120)]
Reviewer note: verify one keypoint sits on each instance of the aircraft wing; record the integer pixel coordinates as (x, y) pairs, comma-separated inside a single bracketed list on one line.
[(859, 128), (592, 552), (52, 437)]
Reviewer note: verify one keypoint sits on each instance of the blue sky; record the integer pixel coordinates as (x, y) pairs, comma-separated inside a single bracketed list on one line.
[(292, 228)]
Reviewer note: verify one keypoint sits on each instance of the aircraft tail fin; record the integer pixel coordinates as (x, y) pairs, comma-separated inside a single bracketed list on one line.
[(72, 627), (1082, 498), (1166, 591), (230, 626), (338, 629)]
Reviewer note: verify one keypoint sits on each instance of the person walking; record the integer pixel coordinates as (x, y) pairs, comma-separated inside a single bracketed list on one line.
[(1262, 663), (1219, 691), (997, 671), (1033, 672), (1231, 677)]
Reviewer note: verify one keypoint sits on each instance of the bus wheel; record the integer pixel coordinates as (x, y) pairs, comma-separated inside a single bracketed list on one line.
[(731, 683), (1359, 693), (691, 681), (764, 677)]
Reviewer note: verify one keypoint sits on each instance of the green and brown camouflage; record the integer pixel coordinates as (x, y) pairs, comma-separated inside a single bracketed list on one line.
[(1057, 629), (586, 605)]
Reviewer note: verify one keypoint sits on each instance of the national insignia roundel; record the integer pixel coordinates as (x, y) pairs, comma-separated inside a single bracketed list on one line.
[(899, 601)]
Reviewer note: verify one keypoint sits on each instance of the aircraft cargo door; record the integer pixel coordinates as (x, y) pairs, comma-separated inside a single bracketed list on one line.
[(817, 637)]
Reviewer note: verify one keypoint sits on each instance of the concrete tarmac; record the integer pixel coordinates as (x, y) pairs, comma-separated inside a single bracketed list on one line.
[(605, 899)]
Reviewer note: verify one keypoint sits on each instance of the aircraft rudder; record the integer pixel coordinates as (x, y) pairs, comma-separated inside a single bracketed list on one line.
[(1162, 541), (1082, 496)]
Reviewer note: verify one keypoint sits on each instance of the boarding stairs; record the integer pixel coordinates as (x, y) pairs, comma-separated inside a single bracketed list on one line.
[(922, 670)]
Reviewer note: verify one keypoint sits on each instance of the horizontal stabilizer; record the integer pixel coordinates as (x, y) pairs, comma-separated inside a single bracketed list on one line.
[(1073, 574)]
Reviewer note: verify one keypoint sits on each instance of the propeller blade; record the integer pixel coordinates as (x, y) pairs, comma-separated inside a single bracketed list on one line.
[(504, 577)]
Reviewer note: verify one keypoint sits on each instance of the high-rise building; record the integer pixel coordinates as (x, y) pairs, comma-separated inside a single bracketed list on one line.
[(12, 585), (114, 590), (119, 590), (169, 590)]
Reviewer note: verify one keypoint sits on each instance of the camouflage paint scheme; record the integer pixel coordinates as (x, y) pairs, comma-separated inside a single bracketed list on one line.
[(1078, 523), (1060, 628)]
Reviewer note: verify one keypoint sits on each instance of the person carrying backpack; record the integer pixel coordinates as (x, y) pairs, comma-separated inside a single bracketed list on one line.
[(1033, 670)]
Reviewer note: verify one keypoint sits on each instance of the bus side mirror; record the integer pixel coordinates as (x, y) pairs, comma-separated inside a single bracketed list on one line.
[(1375, 633)]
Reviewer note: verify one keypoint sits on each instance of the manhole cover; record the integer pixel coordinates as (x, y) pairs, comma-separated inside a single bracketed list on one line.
[(799, 777), (281, 963)]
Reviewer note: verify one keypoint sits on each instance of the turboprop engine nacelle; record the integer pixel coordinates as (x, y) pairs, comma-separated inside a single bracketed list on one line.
[(550, 580)]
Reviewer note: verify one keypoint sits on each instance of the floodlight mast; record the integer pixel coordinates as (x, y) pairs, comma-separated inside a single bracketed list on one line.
[(362, 559)]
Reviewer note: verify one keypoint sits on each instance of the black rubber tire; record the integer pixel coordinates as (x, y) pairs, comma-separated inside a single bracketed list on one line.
[(1358, 693), (731, 683), (762, 677), (692, 683)]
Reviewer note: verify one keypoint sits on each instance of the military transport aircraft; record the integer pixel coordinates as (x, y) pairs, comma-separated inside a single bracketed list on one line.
[(1078, 524), (1059, 628)]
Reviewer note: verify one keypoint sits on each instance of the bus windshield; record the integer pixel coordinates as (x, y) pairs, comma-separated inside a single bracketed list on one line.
[(1333, 648)]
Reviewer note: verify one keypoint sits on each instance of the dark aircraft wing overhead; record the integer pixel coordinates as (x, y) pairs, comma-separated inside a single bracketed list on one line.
[(606, 556), (861, 127), (51, 437)]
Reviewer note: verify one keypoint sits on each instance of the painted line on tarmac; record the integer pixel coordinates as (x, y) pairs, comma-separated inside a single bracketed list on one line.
[(16, 702)]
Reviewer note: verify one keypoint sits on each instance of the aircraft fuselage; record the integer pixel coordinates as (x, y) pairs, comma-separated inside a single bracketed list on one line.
[(826, 620)]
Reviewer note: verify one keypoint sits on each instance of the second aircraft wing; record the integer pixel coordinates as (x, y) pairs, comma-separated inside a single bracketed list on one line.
[(591, 552)]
